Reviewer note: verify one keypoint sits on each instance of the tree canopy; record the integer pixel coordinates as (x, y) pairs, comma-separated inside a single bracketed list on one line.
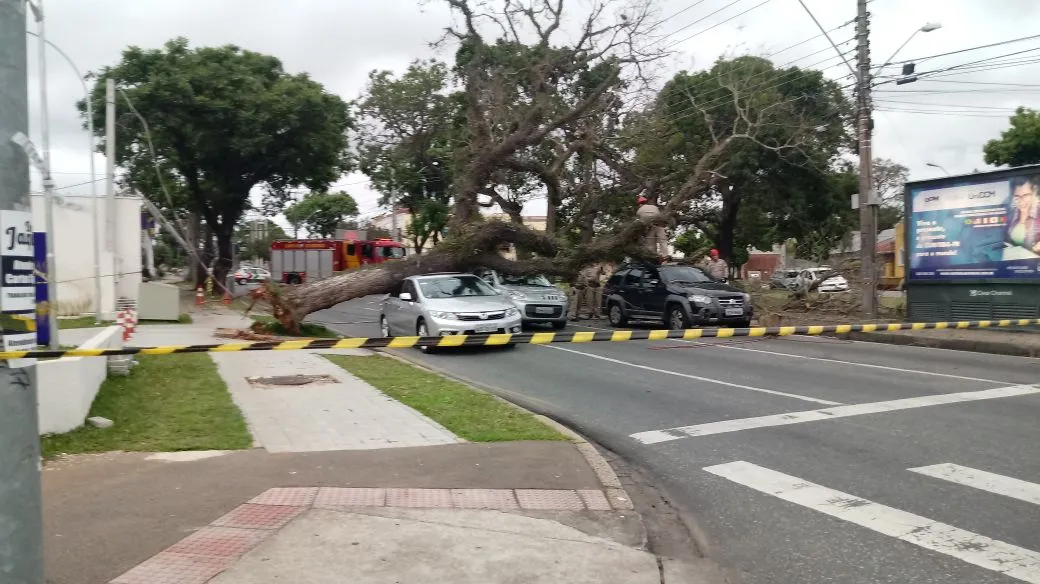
[(217, 123), (321, 213), (1018, 145)]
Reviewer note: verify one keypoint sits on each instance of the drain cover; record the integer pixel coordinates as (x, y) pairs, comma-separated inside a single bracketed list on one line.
[(290, 380)]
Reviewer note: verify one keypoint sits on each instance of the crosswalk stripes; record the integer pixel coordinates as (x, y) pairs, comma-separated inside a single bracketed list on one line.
[(985, 481), (1013, 561)]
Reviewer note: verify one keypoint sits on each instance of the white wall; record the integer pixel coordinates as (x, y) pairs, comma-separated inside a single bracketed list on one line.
[(74, 252), (67, 387)]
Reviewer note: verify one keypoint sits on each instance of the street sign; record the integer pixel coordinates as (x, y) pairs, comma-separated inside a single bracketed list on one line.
[(17, 281)]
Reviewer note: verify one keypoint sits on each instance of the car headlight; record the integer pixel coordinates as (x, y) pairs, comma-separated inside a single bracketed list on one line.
[(517, 295), (444, 315), (512, 312), (747, 298), (700, 299)]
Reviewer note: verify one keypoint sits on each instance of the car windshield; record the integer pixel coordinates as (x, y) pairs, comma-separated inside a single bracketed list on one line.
[(393, 252), (454, 287), (538, 280), (683, 275)]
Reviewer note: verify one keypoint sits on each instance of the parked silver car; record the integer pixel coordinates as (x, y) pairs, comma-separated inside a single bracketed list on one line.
[(538, 301), (440, 305)]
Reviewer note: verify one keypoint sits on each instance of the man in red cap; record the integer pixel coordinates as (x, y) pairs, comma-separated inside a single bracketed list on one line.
[(715, 266), (656, 240)]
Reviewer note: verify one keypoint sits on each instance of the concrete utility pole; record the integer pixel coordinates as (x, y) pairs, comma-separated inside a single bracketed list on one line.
[(867, 196), (21, 519), (110, 180)]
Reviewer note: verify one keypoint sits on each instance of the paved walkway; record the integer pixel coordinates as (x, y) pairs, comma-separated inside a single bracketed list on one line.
[(344, 413)]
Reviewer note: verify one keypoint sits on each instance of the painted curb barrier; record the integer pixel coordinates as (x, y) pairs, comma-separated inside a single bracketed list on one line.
[(493, 340)]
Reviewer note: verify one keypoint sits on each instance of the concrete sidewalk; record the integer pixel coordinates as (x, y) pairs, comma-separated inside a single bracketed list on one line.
[(995, 341)]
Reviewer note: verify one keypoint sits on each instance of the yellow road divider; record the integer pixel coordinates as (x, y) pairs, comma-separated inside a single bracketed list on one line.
[(521, 338)]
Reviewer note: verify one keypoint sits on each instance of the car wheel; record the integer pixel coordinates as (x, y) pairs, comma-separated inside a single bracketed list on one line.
[(422, 331), (677, 319), (559, 324), (384, 327), (241, 281), (616, 316)]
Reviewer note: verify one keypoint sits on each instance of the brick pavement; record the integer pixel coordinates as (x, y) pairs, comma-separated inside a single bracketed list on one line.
[(204, 554)]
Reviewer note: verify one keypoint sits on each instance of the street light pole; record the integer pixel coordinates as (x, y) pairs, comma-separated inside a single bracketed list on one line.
[(48, 181), (21, 516), (95, 207), (934, 165)]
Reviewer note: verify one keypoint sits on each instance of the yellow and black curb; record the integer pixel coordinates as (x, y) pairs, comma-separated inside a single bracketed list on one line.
[(521, 338)]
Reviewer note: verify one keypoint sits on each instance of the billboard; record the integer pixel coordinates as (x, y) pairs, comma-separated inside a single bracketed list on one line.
[(975, 229)]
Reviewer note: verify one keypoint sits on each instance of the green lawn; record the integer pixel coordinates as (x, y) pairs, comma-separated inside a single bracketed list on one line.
[(167, 403), (471, 414), (272, 326)]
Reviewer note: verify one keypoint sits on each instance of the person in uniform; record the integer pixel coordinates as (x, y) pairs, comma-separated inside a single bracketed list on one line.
[(577, 297), (715, 266), (594, 290)]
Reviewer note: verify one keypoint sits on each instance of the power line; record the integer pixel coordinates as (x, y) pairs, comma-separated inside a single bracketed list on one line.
[(982, 107), (717, 24), (945, 113), (922, 59), (699, 20)]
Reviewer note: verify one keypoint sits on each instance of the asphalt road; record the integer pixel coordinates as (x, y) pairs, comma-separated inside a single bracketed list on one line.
[(793, 456)]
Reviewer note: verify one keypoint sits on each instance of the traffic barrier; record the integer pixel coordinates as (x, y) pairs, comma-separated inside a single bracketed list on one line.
[(521, 338)]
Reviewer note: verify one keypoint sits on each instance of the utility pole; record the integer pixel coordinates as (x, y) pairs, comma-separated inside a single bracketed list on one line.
[(867, 196), (110, 181), (21, 518)]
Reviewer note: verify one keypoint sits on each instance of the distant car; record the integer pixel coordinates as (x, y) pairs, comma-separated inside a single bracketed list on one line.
[(440, 305), (836, 283), (678, 296), (784, 279), (250, 274), (538, 301)]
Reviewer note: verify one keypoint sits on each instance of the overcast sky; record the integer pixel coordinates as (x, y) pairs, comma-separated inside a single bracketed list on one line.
[(943, 122)]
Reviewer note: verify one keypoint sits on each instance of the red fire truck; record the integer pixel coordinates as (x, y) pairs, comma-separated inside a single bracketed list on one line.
[(295, 261)]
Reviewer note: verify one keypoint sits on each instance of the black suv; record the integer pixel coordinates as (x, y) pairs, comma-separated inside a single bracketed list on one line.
[(678, 296)]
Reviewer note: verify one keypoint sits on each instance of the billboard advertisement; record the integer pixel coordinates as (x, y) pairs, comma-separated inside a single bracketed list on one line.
[(981, 229)]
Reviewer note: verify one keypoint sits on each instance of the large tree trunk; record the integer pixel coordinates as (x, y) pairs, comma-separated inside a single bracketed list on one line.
[(726, 235), (225, 256)]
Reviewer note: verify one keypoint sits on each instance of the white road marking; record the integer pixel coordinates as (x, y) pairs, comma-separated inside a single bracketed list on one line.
[(696, 377), (839, 361), (655, 436), (986, 481), (991, 554)]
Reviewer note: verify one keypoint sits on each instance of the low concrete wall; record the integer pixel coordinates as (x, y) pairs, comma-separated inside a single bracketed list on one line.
[(67, 387)]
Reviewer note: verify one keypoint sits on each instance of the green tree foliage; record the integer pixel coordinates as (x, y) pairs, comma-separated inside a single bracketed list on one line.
[(408, 127), (691, 243), (321, 213), (1018, 145), (252, 240), (782, 131), (222, 121)]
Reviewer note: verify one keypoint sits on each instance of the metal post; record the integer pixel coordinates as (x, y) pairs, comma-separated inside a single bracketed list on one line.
[(110, 177), (95, 207), (867, 198), (48, 180), (21, 519)]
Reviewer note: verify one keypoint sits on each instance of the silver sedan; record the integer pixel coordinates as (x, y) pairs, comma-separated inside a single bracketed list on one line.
[(440, 305)]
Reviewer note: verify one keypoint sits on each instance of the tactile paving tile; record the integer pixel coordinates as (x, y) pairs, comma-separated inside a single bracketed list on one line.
[(350, 497), (291, 496), (258, 516), (595, 500), (221, 542), (435, 498), (484, 499), (167, 568), (549, 499)]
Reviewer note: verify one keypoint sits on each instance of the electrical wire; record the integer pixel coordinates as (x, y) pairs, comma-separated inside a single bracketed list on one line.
[(718, 24), (957, 52)]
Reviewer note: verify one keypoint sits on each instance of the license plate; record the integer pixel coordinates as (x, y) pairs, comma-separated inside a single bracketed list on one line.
[(734, 312), (486, 328), (544, 310)]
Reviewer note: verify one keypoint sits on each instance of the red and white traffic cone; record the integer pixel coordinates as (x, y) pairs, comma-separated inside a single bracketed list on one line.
[(200, 298)]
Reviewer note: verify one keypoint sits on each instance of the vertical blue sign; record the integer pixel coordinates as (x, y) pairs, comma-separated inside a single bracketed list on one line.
[(43, 331)]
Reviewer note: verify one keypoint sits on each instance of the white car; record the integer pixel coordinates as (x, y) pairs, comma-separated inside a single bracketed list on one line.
[(440, 305), (835, 283)]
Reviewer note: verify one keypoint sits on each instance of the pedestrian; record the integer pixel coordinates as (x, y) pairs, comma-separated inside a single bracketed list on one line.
[(594, 290), (577, 298), (715, 267)]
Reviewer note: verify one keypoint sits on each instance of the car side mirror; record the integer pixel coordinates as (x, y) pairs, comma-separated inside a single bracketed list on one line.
[(406, 296)]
